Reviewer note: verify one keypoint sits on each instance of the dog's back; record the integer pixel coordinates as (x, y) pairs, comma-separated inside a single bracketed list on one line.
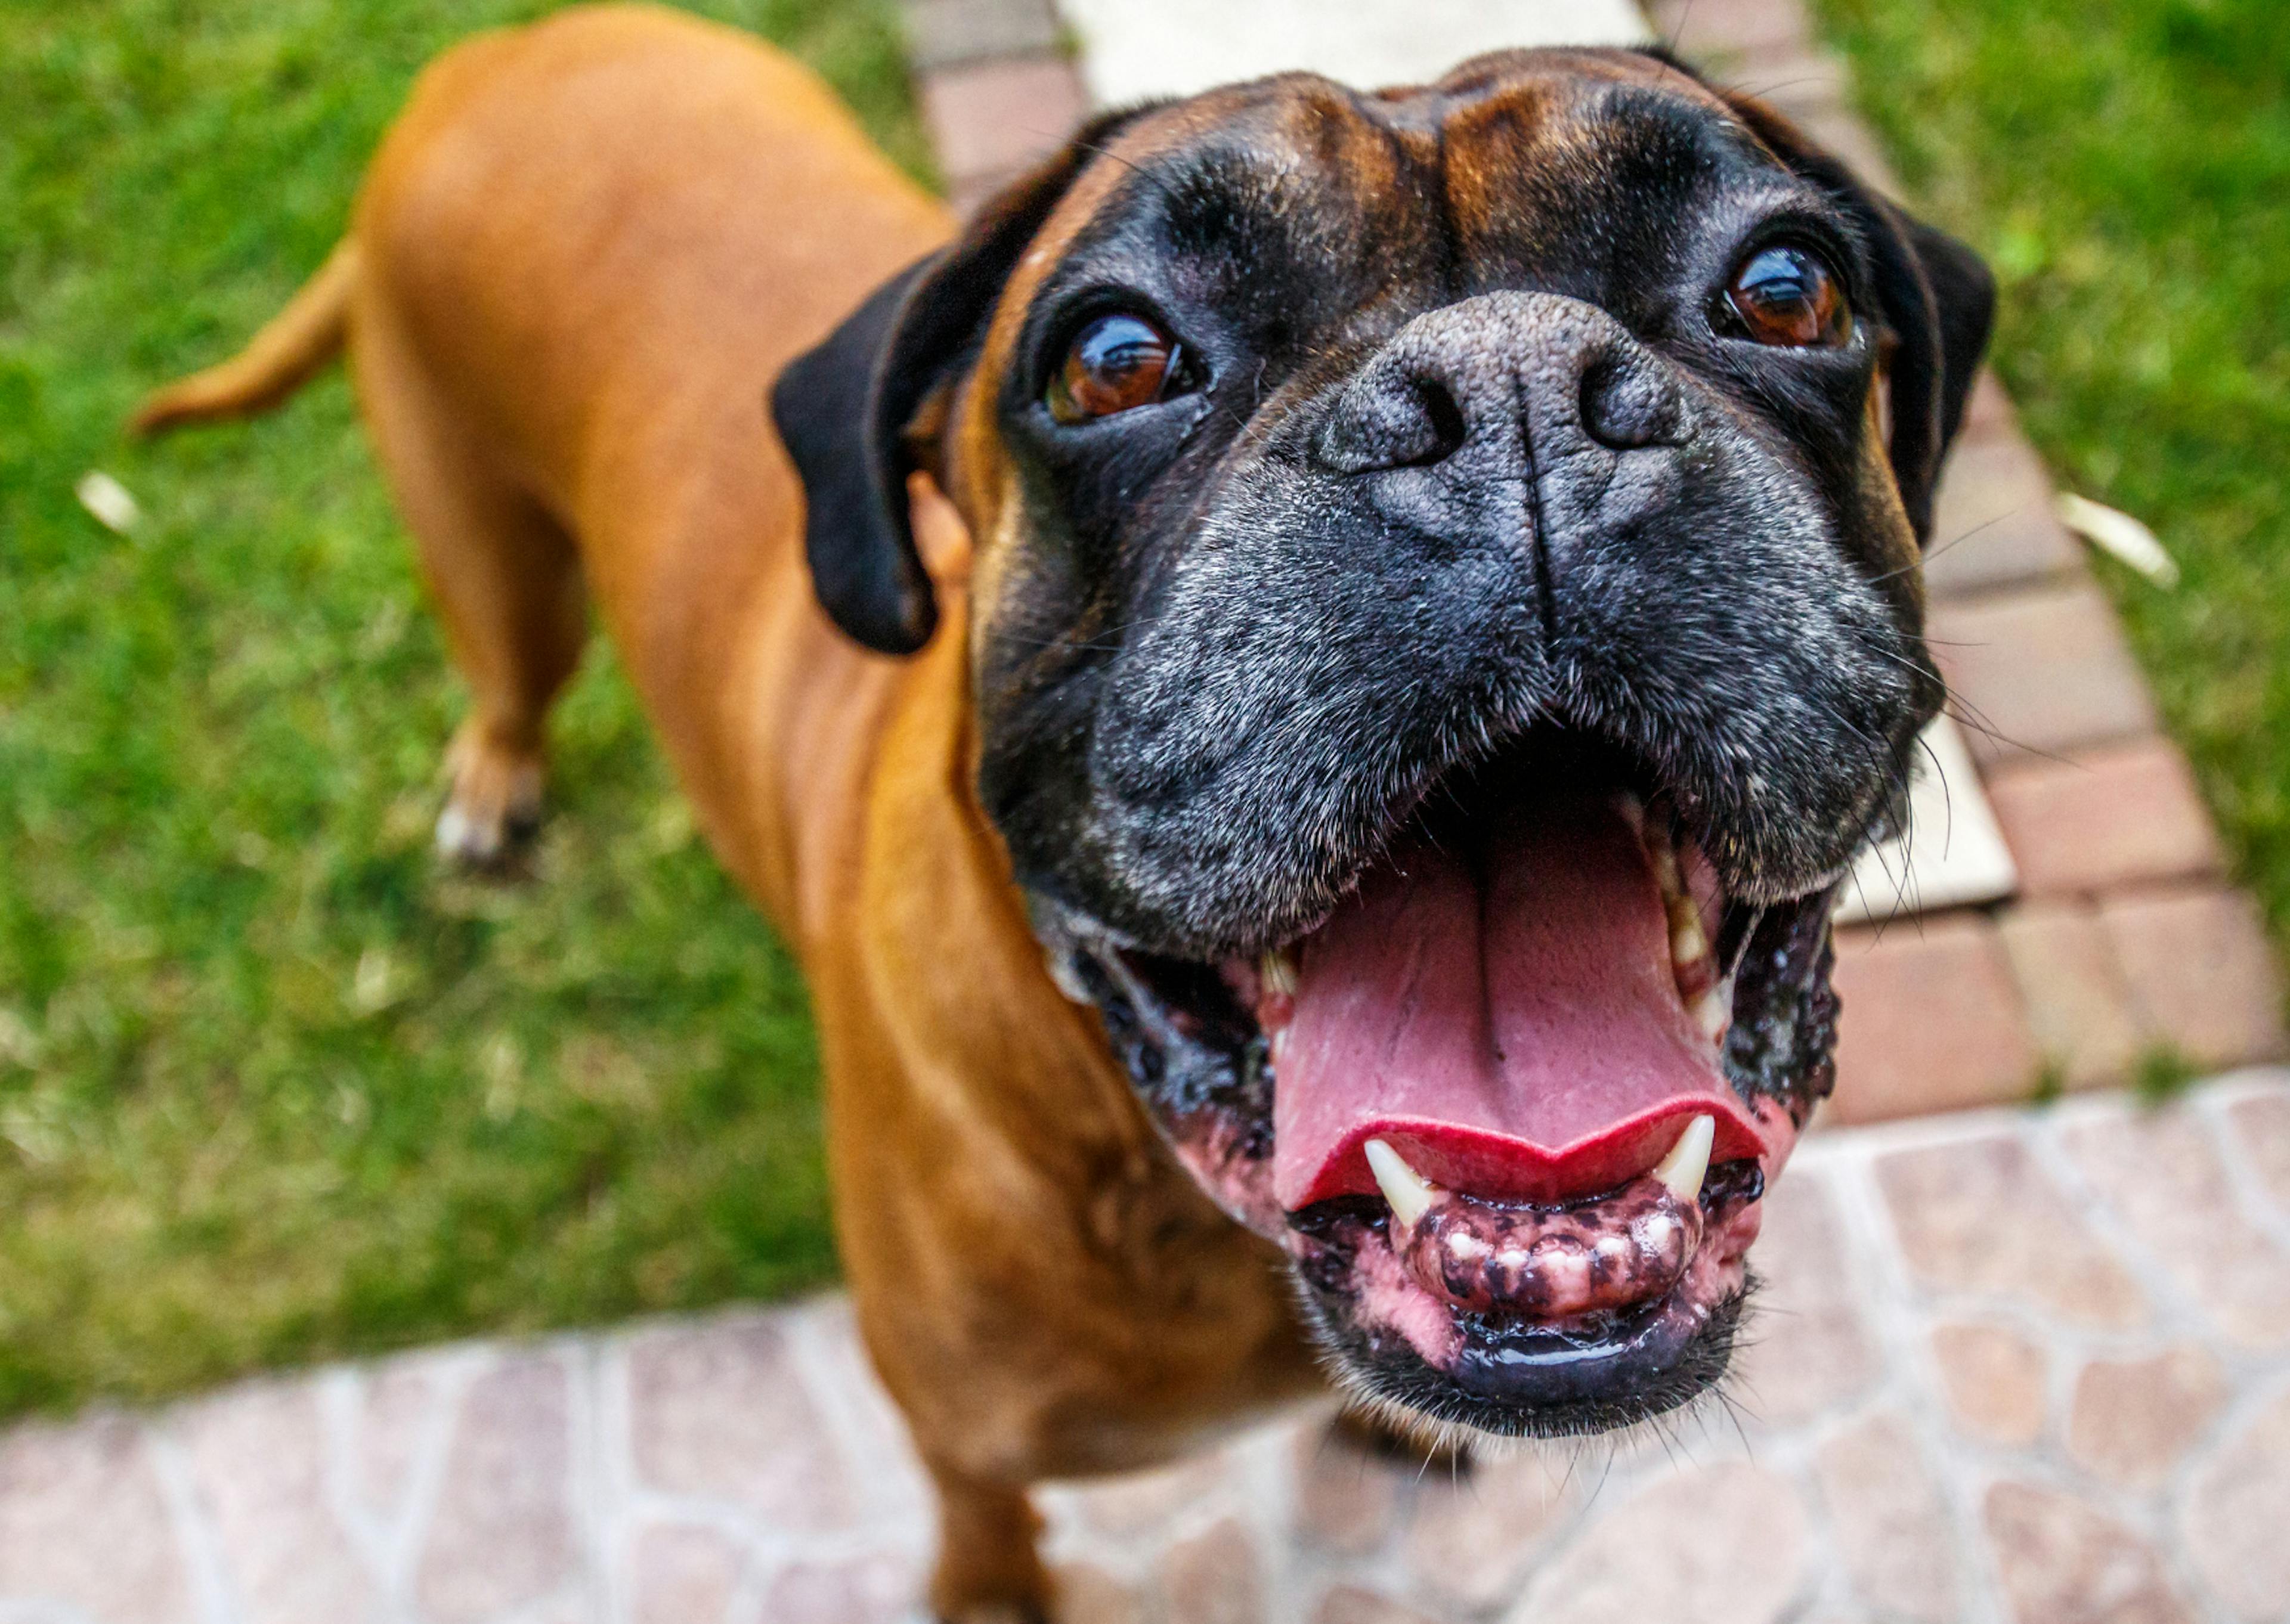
[(580, 252)]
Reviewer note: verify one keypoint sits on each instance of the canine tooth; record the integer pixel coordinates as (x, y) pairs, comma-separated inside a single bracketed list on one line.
[(1680, 1172), (1280, 974), (1712, 1011), (1665, 870), (1687, 944), (1410, 1194), (1067, 979)]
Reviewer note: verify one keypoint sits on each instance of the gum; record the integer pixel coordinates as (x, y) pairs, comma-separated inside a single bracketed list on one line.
[(1626, 1248)]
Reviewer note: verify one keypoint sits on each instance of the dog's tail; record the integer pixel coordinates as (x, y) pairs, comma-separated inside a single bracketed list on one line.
[(278, 360)]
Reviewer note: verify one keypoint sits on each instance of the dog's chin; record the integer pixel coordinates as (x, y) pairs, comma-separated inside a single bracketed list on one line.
[(1510, 1110), (1432, 1370), (1519, 1381)]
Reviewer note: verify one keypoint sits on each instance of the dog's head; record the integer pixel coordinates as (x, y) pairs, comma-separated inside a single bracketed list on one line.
[(1446, 615)]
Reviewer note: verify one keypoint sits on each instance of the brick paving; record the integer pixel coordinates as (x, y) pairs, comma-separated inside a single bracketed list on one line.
[(2012, 1367)]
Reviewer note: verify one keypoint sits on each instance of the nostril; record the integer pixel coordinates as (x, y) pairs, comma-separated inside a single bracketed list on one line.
[(1627, 403), (1393, 422), (1445, 417)]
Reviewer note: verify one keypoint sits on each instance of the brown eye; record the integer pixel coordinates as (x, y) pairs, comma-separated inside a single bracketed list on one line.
[(1788, 296), (1117, 364)]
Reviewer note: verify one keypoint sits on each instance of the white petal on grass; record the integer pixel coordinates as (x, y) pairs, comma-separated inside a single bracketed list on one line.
[(2118, 535), (108, 501)]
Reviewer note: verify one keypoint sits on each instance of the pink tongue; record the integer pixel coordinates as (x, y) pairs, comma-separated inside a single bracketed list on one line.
[(1508, 1018)]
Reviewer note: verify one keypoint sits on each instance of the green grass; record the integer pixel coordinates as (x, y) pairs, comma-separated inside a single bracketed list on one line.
[(2161, 1076), (2125, 166), (272, 1086)]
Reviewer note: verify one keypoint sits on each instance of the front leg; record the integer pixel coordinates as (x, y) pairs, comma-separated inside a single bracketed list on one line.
[(990, 1570)]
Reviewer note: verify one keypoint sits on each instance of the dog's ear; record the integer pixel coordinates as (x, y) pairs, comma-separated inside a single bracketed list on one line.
[(848, 411), (1939, 303)]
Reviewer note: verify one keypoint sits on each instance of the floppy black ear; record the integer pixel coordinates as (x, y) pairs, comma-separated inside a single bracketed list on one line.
[(839, 422), (1938, 301), (844, 408)]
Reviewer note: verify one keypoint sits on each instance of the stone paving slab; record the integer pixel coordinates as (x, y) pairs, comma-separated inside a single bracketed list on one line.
[(1134, 50), (2024, 1367)]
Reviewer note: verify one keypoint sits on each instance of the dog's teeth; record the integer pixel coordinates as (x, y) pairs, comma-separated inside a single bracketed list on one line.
[(1410, 1196), (1665, 871), (1680, 1172), (1280, 974), (1713, 1010), (1687, 944), (1067, 979)]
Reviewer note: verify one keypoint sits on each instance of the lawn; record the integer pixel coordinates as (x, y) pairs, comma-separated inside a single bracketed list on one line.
[(2125, 166), (272, 1086)]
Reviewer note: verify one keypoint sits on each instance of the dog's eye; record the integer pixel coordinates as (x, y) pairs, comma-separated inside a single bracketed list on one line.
[(1115, 364), (1788, 296)]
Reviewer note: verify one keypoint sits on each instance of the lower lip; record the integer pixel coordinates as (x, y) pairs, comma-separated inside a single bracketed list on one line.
[(1523, 1366)]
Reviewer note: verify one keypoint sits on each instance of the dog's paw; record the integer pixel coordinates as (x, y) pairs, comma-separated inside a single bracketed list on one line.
[(476, 840), (493, 808)]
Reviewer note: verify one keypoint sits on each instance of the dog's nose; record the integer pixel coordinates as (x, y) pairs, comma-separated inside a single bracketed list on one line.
[(1485, 388)]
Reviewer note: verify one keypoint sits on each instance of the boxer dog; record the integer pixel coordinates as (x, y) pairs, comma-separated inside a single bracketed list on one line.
[(1300, 683)]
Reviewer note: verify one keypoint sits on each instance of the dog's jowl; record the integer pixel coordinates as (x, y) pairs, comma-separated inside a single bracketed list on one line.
[(1325, 868)]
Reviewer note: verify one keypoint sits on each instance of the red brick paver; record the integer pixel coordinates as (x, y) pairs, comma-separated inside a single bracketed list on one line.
[(948, 33), (2117, 816), (1993, 526), (1932, 1020), (2071, 986), (994, 118), (2201, 973), (2039, 673)]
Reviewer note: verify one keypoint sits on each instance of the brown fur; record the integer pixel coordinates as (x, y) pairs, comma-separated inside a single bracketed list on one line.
[(579, 258)]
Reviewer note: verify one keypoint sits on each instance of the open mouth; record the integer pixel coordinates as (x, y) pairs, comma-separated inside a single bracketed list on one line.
[(1510, 1107)]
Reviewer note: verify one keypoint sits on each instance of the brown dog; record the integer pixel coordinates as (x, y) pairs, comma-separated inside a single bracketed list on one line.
[(1443, 615)]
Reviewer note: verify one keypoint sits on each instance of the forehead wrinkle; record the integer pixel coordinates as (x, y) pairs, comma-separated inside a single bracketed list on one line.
[(1587, 154), (1293, 175), (1497, 71), (1502, 149), (1281, 163)]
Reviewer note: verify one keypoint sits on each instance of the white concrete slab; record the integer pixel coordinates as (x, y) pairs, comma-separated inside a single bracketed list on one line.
[(1135, 49), (1955, 854)]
